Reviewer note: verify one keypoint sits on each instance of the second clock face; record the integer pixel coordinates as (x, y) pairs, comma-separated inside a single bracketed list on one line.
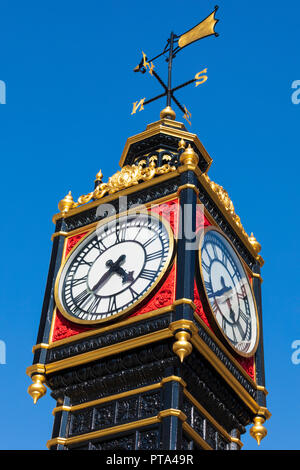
[(229, 293), (114, 267)]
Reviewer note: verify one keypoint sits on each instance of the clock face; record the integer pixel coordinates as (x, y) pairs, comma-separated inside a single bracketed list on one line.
[(113, 268), (229, 293)]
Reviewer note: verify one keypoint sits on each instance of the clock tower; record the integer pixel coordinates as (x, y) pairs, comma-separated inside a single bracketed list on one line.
[(151, 328)]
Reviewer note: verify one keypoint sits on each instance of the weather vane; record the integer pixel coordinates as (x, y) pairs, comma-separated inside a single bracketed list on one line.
[(174, 45)]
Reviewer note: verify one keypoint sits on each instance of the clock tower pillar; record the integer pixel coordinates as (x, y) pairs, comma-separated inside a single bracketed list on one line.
[(151, 328)]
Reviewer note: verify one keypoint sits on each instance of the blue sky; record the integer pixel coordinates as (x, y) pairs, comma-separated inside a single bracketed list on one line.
[(67, 67)]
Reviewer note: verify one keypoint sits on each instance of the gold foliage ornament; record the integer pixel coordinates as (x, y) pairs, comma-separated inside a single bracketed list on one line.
[(229, 207), (128, 176)]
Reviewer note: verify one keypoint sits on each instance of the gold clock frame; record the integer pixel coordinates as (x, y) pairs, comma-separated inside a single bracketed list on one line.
[(167, 266), (216, 327)]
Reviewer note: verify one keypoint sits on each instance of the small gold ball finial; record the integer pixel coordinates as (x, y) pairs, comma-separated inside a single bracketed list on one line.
[(189, 157), (37, 389), (254, 243), (182, 347), (168, 113), (66, 203), (258, 431)]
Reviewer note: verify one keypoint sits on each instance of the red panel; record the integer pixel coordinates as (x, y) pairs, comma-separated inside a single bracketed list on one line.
[(72, 241), (164, 296), (200, 217), (169, 211), (63, 328), (199, 307)]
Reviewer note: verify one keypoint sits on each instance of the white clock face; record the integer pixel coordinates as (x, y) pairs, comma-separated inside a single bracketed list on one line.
[(113, 268), (229, 293)]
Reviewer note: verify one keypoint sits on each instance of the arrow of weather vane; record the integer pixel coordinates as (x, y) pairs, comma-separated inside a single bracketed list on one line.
[(174, 45)]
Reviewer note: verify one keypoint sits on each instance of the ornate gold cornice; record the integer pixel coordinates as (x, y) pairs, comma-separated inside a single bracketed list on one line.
[(128, 176), (167, 127), (228, 208)]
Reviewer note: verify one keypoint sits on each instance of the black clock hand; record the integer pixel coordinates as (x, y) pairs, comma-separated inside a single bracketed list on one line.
[(112, 268), (126, 277), (103, 279), (231, 312), (224, 288), (115, 268), (223, 291)]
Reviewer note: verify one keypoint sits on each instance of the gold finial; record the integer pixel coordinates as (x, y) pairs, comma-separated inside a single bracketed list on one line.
[(182, 347), (258, 431), (189, 157), (66, 203), (99, 176), (168, 113), (254, 243), (181, 144), (37, 389)]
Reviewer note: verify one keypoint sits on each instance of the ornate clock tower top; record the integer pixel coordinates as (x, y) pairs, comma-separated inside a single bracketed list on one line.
[(164, 148), (151, 328)]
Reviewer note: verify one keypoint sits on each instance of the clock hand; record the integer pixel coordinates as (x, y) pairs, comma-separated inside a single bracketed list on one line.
[(114, 267), (126, 277), (224, 288), (226, 298), (231, 312), (104, 278)]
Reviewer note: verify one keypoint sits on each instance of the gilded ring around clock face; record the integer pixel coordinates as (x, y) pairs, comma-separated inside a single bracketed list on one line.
[(114, 268), (229, 293)]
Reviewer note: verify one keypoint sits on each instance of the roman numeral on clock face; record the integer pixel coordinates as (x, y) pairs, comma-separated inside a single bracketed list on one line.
[(120, 233), (209, 289), (240, 330), (150, 240), (112, 303), (155, 255), (133, 292), (100, 245), (93, 307), (77, 282), (148, 274), (243, 316), (81, 298)]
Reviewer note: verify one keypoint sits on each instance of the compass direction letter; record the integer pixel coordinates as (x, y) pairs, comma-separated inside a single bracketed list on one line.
[(137, 105), (201, 78)]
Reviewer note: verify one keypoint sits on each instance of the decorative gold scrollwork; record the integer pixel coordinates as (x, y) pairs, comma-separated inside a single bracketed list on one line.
[(229, 207), (128, 176)]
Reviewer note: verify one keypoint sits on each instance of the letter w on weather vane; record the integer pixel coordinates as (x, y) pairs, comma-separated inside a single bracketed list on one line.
[(174, 45)]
